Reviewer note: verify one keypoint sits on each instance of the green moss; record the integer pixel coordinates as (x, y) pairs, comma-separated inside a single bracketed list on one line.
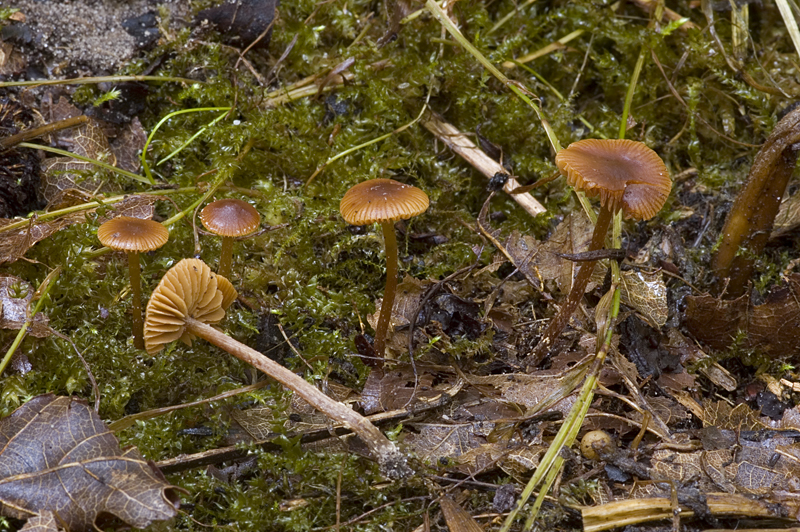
[(319, 277)]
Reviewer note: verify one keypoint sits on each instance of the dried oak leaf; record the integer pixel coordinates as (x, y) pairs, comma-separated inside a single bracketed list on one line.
[(56, 455), (15, 298), (772, 327)]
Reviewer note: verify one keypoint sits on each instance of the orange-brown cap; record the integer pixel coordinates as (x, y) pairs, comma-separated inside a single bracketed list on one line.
[(191, 289), (230, 217), (125, 233), (382, 200), (625, 174)]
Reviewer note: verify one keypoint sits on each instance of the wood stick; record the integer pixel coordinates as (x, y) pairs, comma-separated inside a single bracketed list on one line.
[(463, 146)]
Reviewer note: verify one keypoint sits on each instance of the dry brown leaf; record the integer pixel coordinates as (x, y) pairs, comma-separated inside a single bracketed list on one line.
[(392, 389), (128, 144), (646, 293), (15, 298), (536, 392), (772, 327), (788, 217), (14, 244), (724, 416), (58, 456)]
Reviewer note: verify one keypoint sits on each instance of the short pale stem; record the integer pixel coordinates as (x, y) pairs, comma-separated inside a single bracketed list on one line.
[(384, 450), (136, 292), (560, 321), (391, 287), (225, 257)]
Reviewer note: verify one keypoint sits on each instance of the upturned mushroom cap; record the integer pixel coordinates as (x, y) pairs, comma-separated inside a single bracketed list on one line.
[(625, 174), (125, 233), (230, 217), (382, 200), (191, 289)]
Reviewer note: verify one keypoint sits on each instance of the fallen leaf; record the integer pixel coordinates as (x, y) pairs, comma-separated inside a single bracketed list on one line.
[(15, 298), (772, 327), (646, 293), (56, 455), (15, 243)]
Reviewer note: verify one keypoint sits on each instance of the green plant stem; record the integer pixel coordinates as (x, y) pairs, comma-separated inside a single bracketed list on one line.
[(136, 293), (637, 70), (560, 321), (23, 331), (191, 139), (516, 87), (120, 171), (391, 287), (43, 130), (225, 257), (97, 79), (143, 158)]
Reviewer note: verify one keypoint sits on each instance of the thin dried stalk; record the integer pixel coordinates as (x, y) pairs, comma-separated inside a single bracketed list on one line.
[(463, 146), (629, 512), (392, 462)]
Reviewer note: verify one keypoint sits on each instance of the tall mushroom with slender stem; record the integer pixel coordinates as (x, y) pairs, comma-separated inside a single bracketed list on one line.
[(229, 218), (190, 297), (133, 236), (383, 201), (627, 176)]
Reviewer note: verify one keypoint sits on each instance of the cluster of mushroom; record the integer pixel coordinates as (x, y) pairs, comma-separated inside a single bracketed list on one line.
[(626, 175), (228, 218)]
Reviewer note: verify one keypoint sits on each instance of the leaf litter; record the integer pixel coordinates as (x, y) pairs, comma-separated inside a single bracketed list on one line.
[(59, 461), (469, 408)]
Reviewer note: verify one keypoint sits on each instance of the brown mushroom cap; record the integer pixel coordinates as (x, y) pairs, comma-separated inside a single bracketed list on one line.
[(625, 174), (230, 217), (125, 233), (382, 200), (191, 289)]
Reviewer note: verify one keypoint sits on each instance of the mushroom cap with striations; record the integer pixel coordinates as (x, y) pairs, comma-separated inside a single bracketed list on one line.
[(382, 200), (230, 217), (191, 289), (625, 174), (125, 233)]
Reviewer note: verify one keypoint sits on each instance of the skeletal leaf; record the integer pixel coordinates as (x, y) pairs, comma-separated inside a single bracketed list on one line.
[(15, 298), (56, 455), (647, 294)]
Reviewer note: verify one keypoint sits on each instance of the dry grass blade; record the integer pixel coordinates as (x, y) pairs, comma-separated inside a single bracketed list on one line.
[(629, 512)]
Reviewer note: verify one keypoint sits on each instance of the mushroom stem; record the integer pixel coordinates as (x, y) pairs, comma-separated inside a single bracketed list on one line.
[(136, 292), (390, 459), (391, 287), (225, 257), (560, 321)]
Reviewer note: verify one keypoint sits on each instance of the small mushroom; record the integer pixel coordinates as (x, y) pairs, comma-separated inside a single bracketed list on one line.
[(190, 297), (383, 201), (627, 176), (229, 218), (133, 236)]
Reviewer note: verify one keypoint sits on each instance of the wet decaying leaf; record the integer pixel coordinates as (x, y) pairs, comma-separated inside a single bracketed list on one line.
[(58, 456), (772, 327), (61, 174), (647, 293), (16, 242), (15, 298)]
